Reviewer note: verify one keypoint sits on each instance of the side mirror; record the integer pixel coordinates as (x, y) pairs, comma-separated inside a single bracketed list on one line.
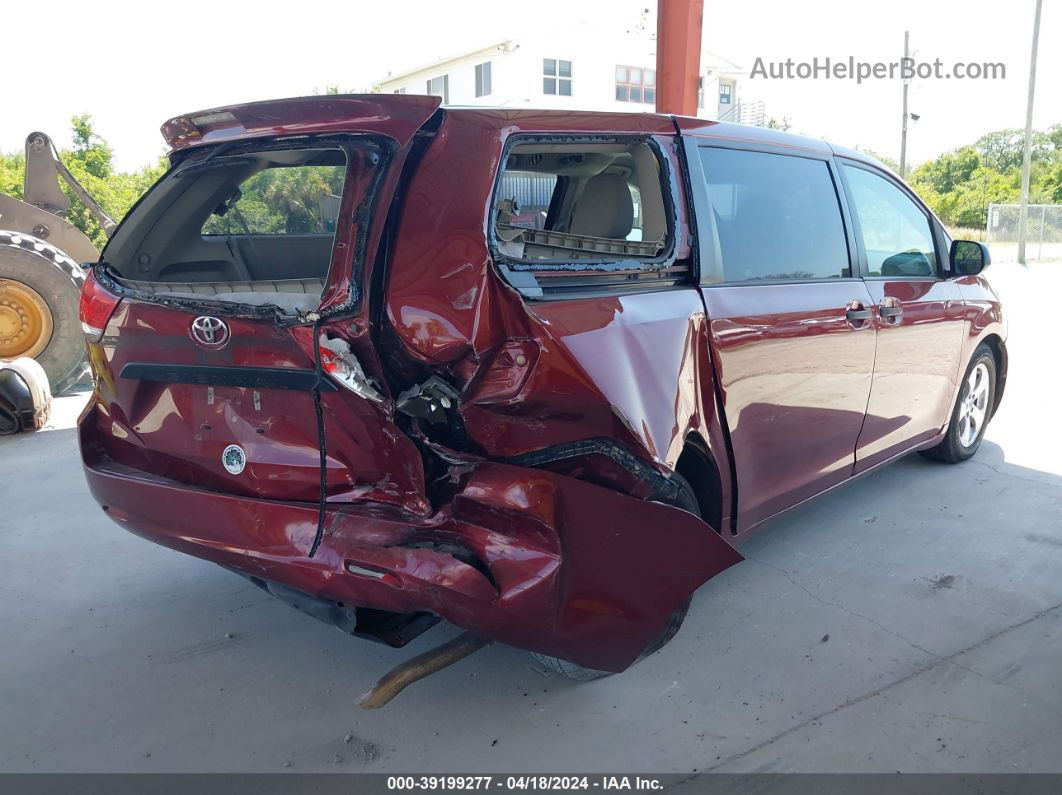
[(968, 257)]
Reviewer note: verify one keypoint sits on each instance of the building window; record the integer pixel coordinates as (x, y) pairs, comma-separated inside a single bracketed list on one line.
[(700, 92), (634, 84), (724, 93), (483, 79), (556, 77), (400, 91), (439, 87)]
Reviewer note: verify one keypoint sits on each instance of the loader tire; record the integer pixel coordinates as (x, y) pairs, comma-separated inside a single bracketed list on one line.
[(39, 291)]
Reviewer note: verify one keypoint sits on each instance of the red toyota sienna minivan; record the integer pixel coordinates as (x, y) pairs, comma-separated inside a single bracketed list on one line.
[(535, 373)]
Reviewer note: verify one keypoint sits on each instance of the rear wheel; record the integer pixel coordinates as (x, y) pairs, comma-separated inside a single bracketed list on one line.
[(687, 501), (39, 291), (972, 411)]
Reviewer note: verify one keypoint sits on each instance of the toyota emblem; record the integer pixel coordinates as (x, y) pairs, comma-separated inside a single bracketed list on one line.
[(210, 331)]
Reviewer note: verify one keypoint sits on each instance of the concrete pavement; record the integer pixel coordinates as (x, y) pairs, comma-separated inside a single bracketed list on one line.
[(912, 621)]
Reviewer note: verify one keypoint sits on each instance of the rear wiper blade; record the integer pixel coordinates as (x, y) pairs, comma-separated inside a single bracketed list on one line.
[(205, 165)]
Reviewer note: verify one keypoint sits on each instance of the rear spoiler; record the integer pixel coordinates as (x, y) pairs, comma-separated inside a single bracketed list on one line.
[(398, 116)]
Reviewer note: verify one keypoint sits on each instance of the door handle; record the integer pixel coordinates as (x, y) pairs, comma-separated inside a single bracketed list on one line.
[(890, 311), (856, 313)]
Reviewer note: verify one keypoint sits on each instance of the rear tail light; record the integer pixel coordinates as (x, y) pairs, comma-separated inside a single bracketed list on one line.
[(340, 364), (96, 307)]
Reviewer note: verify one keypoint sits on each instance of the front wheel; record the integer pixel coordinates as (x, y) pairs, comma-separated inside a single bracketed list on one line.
[(687, 501), (972, 411)]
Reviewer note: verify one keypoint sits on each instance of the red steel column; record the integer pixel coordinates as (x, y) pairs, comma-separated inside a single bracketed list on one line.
[(678, 55)]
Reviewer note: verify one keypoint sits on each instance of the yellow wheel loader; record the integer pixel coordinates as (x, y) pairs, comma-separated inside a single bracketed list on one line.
[(40, 273)]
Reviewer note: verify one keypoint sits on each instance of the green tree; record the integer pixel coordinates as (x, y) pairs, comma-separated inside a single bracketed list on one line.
[(91, 161), (282, 201), (1003, 149), (948, 171), (1054, 135), (888, 161), (90, 150), (1049, 186), (12, 168), (960, 184)]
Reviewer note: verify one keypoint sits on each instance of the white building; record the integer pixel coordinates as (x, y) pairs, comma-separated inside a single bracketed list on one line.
[(584, 70)]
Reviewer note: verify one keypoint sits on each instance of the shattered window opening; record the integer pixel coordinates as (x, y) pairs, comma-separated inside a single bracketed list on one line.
[(255, 229), (589, 202)]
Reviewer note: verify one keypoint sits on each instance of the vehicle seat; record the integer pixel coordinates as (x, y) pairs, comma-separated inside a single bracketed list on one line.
[(605, 208)]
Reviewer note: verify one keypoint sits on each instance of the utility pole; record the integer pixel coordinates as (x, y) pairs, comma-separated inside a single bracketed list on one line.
[(905, 81), (1026, 157), (678, 55)]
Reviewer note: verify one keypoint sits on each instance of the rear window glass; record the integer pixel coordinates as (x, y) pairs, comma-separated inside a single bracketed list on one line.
[(282, 200), (776, 217)]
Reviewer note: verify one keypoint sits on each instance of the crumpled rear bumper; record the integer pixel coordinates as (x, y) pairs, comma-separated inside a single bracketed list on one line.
[(524, 556)]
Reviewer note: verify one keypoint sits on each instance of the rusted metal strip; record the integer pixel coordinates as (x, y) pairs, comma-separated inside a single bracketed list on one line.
[(402, 676)]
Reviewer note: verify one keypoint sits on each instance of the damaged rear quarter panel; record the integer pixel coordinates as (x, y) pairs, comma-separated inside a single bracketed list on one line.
[(625, 564)]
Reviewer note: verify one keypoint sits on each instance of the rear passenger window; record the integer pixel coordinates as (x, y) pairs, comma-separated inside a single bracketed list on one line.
[(775, 217), (581, 202), (896, 233)]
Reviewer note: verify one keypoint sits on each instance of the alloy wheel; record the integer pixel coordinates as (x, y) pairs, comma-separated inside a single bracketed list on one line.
[(973, 411)]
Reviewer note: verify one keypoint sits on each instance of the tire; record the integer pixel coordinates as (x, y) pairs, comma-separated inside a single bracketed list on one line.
[(970, 415), (50, 275), (687, 501)]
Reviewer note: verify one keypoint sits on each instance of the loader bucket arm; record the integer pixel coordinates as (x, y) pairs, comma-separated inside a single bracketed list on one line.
[(42, 189)]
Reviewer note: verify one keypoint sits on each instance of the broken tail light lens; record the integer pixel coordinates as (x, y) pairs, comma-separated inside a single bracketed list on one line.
[(95, 308), (340, 364)]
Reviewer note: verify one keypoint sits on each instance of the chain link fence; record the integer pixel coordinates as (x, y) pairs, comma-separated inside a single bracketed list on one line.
[(1043, 232)]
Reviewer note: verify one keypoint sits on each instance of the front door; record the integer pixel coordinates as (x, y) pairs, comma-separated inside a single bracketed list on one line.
[(792, 331), (919, 314)]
